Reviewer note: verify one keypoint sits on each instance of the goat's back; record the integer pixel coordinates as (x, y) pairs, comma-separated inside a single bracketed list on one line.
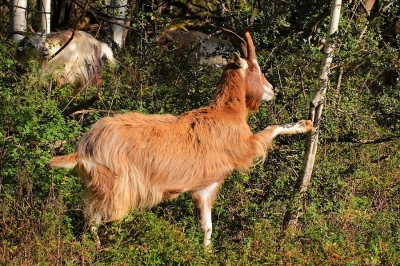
[(83, 56), (184, 152)]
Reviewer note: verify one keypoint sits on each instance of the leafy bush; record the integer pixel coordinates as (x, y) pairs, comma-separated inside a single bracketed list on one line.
[(351, 206)]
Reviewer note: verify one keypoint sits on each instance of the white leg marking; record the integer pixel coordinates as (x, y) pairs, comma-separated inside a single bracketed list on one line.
[(205, 211), (302, 126)]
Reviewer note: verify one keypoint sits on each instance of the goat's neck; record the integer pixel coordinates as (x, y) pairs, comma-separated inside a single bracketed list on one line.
[(230, 95)]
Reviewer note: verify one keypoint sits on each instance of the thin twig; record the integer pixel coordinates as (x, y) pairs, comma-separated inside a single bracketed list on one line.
[(96, 11), (361, 141), (84, 112)]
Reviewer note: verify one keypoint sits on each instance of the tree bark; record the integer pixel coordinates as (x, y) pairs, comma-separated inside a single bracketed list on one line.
[(18, 18), (294, 211), (118, 8), (45, 8)]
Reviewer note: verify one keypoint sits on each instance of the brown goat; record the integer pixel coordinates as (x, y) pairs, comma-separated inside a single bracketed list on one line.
[(136, 161)]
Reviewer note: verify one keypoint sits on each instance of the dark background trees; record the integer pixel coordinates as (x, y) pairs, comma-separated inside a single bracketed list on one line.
[(352, 204)]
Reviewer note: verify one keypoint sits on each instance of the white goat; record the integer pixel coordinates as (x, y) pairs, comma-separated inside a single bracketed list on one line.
[(80, 62)]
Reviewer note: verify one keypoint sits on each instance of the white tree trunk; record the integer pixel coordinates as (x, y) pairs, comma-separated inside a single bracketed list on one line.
[(18, 18), (45, 8), (119, 9), (315, 112)]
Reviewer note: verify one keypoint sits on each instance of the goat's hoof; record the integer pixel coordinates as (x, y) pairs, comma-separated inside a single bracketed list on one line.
[(306, 125)]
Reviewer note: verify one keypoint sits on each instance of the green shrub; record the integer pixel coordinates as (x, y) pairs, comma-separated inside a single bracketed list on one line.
[(351, 213)]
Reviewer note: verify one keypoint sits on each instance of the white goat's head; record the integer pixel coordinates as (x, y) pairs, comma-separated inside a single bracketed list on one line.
[(31, 47)]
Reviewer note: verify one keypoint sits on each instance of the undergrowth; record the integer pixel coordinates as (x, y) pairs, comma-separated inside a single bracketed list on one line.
[(352, 205)]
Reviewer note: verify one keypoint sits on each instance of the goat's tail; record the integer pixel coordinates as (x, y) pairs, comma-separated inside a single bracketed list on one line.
[(67, 161), (107, 52)]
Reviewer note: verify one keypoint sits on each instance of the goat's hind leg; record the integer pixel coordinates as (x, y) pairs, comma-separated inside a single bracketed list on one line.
[(99, 199), (94, 225), (204, 199)]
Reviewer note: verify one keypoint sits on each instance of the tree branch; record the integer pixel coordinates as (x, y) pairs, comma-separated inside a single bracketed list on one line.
[(361, 141), (95, 11), (84, 105), (315, 112)]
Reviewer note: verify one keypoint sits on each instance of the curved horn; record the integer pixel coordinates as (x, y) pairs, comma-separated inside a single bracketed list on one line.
[(15, 32), (237, 41), (250, 45)]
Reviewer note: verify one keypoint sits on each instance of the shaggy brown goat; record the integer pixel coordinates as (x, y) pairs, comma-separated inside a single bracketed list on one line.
[(136, 161)]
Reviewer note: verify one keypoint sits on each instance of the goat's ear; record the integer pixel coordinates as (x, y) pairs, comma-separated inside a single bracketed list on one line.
[(237, 60)]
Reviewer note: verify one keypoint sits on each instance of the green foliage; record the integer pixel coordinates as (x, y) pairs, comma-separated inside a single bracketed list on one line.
[(351, 213)]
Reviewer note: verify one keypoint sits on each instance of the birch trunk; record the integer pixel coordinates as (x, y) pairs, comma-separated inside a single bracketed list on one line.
[(117, 30), (45, 8), (316, 106), (119, 8), (18, 18)]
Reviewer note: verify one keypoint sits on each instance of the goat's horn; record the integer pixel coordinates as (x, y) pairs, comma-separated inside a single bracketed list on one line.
[(237, 41), (15, 32), (250, 45)]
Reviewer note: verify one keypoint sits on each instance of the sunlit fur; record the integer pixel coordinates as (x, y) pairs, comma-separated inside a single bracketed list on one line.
[(80, 62), (160, 156), (135, 160)]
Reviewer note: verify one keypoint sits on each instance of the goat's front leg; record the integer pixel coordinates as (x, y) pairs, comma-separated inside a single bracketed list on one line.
[(269, 134), (265, 138), (204, 199), (303, 126)]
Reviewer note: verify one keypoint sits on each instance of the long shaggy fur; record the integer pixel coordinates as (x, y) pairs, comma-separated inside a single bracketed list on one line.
[(134, 160), (80, 62)]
